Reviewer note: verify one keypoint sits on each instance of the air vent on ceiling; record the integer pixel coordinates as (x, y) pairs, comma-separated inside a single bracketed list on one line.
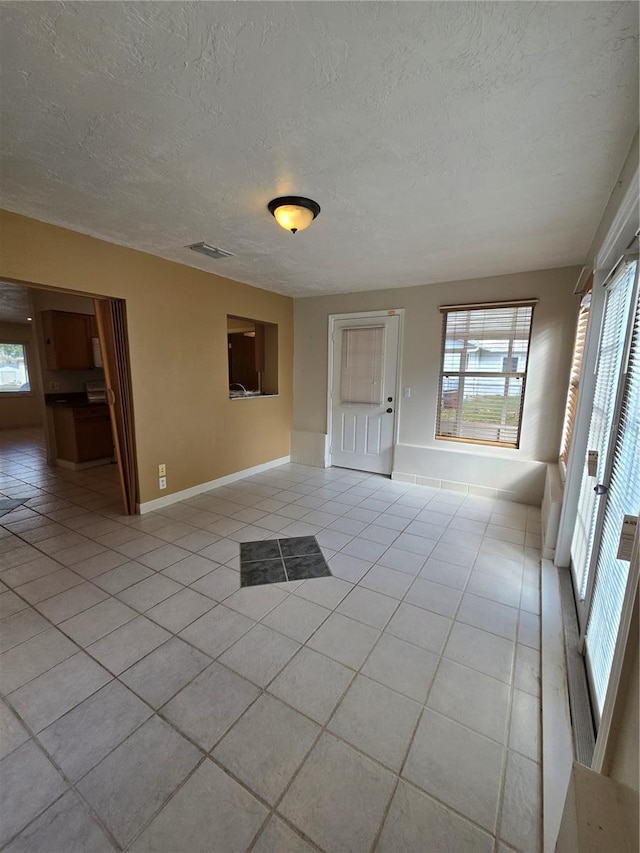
[(210, 251)]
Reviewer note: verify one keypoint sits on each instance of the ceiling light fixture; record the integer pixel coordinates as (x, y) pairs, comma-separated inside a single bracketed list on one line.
[(294, 213)]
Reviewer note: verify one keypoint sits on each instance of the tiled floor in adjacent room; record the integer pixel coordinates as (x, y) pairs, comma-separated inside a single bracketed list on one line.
[(152, 704)]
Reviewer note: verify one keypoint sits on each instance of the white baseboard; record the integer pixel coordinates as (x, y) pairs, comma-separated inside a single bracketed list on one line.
[(468, 488), (489, 472), (557, 738), (174, 497)]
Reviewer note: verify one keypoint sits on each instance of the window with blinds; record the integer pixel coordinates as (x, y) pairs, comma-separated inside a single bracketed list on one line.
[(609, 366), (483, 371), (575, 373), (362, 366), (623, 498)]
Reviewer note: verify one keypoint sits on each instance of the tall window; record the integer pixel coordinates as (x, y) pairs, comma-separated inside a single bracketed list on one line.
[(576, 373), (602, 573), (14, 373), (485, 352)]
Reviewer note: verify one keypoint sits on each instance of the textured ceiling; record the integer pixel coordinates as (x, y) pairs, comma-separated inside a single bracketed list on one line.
[(442, 140)]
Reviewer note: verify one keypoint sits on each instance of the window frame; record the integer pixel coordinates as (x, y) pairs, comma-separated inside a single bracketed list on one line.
[(25, 349), (445, 373), (575, 376)]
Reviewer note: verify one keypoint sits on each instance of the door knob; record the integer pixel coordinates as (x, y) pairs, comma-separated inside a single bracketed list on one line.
[(389, 399), (389, 411)]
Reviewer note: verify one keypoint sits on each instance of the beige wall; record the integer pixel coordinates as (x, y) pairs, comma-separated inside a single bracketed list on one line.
[(518, 473), (177, 324), (26, 409)]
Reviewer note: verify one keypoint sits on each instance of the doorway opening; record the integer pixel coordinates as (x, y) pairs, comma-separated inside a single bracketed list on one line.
[(77, 409)]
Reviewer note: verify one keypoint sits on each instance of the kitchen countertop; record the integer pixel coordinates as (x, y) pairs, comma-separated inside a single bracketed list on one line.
[(250, 396)]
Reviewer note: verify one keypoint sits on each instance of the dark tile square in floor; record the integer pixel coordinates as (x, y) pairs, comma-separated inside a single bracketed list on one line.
[(299, 546), (266, 561), (262, 550), (258, 572), (9, 504), (309, 566)]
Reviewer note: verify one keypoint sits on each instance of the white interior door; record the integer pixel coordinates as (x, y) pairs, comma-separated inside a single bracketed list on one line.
[(363, 389)]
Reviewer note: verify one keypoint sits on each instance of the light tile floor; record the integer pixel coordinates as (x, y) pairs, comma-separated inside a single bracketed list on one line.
[(151, 704)]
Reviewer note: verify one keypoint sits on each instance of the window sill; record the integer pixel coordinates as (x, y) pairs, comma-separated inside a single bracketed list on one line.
[(253, 396), (478, 442)]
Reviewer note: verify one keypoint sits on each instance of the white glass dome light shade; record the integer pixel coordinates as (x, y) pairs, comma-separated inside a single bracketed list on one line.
[(294, 213), (292, 217)]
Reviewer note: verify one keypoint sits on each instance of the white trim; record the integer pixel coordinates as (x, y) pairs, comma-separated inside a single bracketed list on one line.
[(619, 237), (584, 608), (473, 306), (357, 315), (167, 500), (255, 397), (467, 488), (309, 448), (557, 739), (581, 426), (608, 707), (550, 510), (585, 272), (622, 229), (385, 312)]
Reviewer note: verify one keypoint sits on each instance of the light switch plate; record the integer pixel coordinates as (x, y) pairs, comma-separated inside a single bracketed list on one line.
[(162, 470)]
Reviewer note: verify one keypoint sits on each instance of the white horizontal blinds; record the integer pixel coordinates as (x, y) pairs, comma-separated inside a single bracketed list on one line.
[(608, 369), (623, 498), (483, 372), (575, 373), (362, 366)]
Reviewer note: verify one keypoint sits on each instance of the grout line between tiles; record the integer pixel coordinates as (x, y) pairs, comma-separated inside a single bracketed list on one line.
[(333, 609), (284, 565)]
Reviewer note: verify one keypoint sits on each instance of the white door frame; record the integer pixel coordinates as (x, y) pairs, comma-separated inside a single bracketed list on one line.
[(617, 241), (366, 315), (584, 607)]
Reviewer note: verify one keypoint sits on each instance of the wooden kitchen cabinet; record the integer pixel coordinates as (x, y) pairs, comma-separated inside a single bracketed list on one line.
[(67, 340), (83, 433)]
